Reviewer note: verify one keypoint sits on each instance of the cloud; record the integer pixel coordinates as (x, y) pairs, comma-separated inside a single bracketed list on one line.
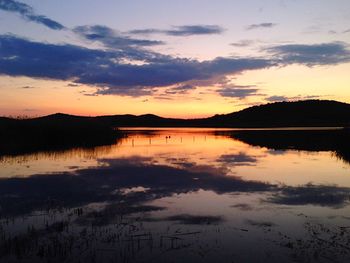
[(261, 25), (146, 31), (20, 57), (314, 54), (27, 87), (186, 30), (29, 110), (28, 13), (73, 85), (162, 97), (132, 91), (110, 38), (181, 89), (236, 91), (125, 67), (195, 30), (107, 70), (276, 98), (243, 43)]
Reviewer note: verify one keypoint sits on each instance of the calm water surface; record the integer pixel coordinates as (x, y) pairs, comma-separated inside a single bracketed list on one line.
[(179, 195)]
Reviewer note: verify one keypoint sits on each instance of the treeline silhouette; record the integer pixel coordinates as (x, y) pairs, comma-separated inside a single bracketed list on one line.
[(53, 132), (308, 113), (59, 131)]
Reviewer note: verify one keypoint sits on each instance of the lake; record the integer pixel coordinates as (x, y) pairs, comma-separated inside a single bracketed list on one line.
[(181, 195)]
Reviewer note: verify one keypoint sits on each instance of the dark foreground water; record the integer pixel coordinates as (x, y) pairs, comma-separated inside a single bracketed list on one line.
[(181, 195)]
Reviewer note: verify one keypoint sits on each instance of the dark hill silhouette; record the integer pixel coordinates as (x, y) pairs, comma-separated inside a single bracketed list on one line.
[(61, 131), (53, 132), (290, 114), (307, 113)]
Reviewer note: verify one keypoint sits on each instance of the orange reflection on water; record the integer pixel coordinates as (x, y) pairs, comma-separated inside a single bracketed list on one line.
[(199, 150)]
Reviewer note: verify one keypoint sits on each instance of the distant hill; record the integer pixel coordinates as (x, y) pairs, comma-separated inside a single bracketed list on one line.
[(307, 113), (62, 131)]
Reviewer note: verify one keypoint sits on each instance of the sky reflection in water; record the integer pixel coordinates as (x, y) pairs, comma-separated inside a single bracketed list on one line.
[(197, 194)]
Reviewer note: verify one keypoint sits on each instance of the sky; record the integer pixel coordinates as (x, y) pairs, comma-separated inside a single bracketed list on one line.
[(192, 58)]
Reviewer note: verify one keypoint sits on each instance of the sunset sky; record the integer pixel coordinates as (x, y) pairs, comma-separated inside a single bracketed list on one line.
[(183, 58)]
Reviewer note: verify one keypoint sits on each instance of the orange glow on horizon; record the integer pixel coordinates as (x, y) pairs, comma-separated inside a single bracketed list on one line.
[(36, 97)]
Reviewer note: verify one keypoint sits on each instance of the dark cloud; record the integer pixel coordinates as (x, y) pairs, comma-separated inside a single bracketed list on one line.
[(28, 13), (243, 43), (20, 57), (314, 54), (261, 25), (276, 98), (309, 97), (239, 92), (106, 68), (88, 94), (195, 30), (313, 29), (146, 31), (111, 38), (186, 30), (162, 97), (115, 71), (134, 91), (181, 89), (29, 110), (73, 85), (27, 87)]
